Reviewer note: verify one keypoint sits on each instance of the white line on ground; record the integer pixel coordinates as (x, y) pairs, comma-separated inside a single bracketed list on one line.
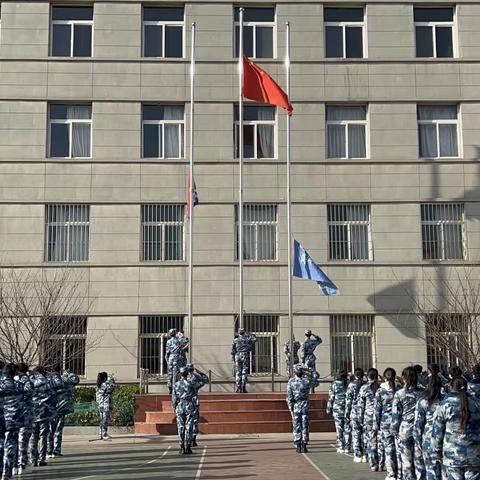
[(326, 477), (200, 465), (347, 454), (161, 456)]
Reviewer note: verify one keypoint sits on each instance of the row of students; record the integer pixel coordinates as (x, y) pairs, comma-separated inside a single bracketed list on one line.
[(410, 429)]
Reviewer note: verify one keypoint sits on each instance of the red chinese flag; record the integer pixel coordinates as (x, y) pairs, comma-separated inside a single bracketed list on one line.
[(258, 85)]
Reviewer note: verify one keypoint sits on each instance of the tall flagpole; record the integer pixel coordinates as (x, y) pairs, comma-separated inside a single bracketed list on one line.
[(240, 170), (191, 192), (289, 213)]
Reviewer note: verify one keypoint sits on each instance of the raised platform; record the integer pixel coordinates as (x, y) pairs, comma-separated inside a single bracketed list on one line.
[(224, 413)]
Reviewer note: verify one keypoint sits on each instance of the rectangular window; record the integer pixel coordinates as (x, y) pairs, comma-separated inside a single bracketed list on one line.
[(349, 235), (344, 32), (67, 233), (443, 227), (162, 232), (352, 342), (434, 32), (258, 32), (448, 339), (153, 336), (346, 131), (258, 131), (163, 131), (71, 34), (264, 358), (163, 31), (70, 131), (438, 130), (260, 226), (65, 343)]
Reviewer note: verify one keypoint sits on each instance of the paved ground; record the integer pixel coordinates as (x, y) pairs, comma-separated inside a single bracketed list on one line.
[(219, 457)]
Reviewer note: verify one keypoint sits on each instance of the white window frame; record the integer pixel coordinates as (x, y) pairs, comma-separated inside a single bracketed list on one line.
[(72, 24), (255, 25), (164, 23), (161, 124), (434, 26), (437, 124)]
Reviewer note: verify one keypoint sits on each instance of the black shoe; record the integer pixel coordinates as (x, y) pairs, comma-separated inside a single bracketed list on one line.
[(42, 464), (170, 390), (194, 443), (244, 390), (238, 390), (56, 455), (188, 450), (304, 448), (299, 447)]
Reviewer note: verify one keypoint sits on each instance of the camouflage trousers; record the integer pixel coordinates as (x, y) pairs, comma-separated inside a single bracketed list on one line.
[(37, 447), (196, 418), (10, 452), (24, 435), (357, 439), (301, 421), (175, 362), (461, 474), (105, 416), (242, 369), (371, 445), (348, 434), (406, 450), (390, 454), (340, 423), (399, 459), (425, 466), (2, 438), (185, 412), (55, 435)]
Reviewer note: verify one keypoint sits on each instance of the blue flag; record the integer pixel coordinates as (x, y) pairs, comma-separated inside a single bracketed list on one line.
[(305, 267)]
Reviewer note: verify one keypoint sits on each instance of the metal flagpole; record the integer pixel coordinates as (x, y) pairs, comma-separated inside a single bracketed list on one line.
[(289, 213), (191, 193), (240, 170)]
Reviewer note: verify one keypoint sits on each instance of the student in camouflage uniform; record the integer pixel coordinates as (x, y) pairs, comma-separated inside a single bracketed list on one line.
[(474, 383), (383, 421), (426, 407), (455, 440), (422, 375), (41, 417), (26, 429), (183, 401), (288, 355), (175, 356), (298, 391), (354, 428), (337, 399), (453, 372), (104, 396), (198, 380), (307, 357), (242, 346), (56, 420), (403, 421)]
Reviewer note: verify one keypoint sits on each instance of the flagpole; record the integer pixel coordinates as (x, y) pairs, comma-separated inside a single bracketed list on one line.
[(289, 213), (191, 185), (240, 170)]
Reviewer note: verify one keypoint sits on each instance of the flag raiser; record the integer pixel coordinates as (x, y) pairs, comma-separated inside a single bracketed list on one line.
[(258, 85), (195, 196)]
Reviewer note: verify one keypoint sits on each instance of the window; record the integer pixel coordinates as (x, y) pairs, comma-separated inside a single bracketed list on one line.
[(352, 342), (71, 34), (153, 336), (163, 32), (258, 131), (346, 131), (65, 343), (344, 31), (162, 232), (443, 231), (349, 232), (67, 233), (264, 358), (259, 232), (163, 131), (438, 131), (434, 32), (70, 131), (258, 32), (447, 338)]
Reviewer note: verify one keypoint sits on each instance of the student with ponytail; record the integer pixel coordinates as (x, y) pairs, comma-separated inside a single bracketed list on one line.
[(456, 433), (337, 399), (353, 425)]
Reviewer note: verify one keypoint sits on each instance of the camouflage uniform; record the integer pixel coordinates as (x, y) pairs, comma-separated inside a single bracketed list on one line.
[(337, 399), (474, 387), (55, 427), (2, 426), (42, 412), (198, 380), (241, 348), (457, 449), (286, 350), (383, 423), (422, 433), (403, 420), (183, 401), (175, 358), (26, 429), (366, 417), (307, 356), (104, 398), (354, 428)]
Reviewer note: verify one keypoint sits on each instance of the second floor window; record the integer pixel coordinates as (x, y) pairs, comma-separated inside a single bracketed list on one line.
[(344, 32), (163, 131), (258, 131), (162, 232), (258, 32), (434, 32), (67, 233), (163, 32), (346, 131), (70, 131), (438, 131), (72, 29)]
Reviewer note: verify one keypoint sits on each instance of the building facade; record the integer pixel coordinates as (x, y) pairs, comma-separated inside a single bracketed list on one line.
[(94, 119)]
